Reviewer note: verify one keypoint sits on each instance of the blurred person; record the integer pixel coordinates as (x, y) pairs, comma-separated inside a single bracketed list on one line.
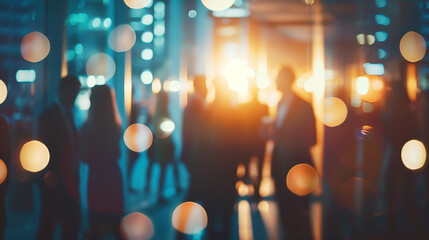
[(5, 157), (193, 130), (221, 160), (162, 149), (398, 182), (294, 135), (100, 149), (253, 143), (59, 186)]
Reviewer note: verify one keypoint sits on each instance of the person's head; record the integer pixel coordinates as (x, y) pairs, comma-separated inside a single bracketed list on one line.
[(285, 79), (200, 85), (162, 100), (68, 88), (103, 105)]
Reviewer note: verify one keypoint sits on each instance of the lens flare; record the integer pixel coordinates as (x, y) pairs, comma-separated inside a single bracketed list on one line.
[(137, 4), (34, 156), (412, 46), (101, 64), (218, 5), (3, 171), (189, 218), (362, 85), (302, 179), (122, 38), (35, 47), (3, 91), (413, 154), (138, 137), (136, 226), (375, 91)]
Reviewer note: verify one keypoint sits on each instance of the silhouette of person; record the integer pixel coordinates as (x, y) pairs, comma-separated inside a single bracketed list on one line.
[(59, 186), (5, 157), (400, 126), (162, 149), (294, 135), (193, 130), (252, 114), (100, 149), (221, 162)]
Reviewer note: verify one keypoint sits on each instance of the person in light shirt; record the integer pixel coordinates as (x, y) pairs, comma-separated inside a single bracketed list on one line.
[(294, 135)]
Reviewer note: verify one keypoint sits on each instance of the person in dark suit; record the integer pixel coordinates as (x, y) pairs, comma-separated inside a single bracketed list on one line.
[(253, 143), (193, 136), (162, 149), (59, 184), (101, 150), (5, 157), (294, 135)]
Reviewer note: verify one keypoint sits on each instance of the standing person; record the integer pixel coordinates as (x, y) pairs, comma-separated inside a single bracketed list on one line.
[(59, 187), (193, 137), (5, 157), (221, 160), (100, 148), (294, 135), (253, 142), (162, 149)]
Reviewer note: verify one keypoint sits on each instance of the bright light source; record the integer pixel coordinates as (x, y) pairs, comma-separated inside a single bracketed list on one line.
[(83, 101), (413, 154), (34, 156), (3, 91), (174, 86), (147, 19), (137, 226), (27, 76), (156, 86), (107, 22), (96, 22), (382, 19), (192, 13), (167, 126), (381, 36), (91, 81), (146, 77), (147, 54), (370, 39), (374, 69), (362, 85), (137, 4), (218, 5), (360, 39), (147, 37)]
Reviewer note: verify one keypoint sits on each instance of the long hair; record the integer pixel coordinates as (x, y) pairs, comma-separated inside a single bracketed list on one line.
[(103, 114)]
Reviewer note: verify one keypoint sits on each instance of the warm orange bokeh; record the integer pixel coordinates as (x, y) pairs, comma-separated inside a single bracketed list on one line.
[(302, 179), (189, 218)]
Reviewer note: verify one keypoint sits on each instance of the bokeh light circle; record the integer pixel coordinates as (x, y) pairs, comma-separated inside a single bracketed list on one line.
[(136, 226), (413, 154), (189, 218), (3, 171), (122, 38), (34, 156), (335, 112), (302, 179), (35, 47), (412, 46), (375, 91), (138, 137), (3, 91), (137, 4), (218, 5), (101, 64)]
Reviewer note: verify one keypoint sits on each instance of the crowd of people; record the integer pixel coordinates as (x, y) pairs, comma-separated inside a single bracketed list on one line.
[(216, 138)]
